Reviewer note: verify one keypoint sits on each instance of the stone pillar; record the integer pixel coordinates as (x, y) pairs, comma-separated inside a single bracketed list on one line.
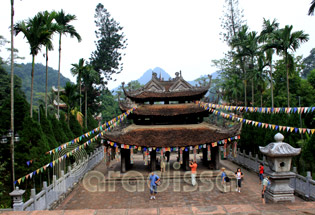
[(46, 194), (17, 199), (279, 156), (153, 160), (123, 160)]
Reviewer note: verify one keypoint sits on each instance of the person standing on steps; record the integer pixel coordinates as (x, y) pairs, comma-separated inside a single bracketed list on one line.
[(239, 176), (265, 183), (193, 165), (154, 179), (261, 172)]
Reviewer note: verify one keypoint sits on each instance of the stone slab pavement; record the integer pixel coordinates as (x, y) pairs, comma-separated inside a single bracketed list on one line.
[(126, 197)]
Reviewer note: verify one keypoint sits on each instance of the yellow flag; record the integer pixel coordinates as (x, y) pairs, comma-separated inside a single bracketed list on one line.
[(256, 124), (312, 131), (19, 180), (291, 129), (273, 127)]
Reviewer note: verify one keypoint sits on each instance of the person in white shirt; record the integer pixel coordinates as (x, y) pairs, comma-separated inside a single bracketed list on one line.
[(239, 176)]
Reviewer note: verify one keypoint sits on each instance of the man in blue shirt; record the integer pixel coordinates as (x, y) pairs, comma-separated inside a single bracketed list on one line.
[(154, 179)]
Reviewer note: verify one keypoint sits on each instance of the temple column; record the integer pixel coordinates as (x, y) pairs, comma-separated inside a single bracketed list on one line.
[(186, 160), (123, 160), (204, 156), (153, 160), (216, 157), (128, 165)]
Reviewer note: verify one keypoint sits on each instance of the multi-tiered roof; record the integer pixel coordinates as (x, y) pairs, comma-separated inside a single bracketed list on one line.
[(166, 116)]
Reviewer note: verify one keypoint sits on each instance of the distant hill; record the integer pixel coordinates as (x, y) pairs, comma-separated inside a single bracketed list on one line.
[(146, 77), (24, 72)]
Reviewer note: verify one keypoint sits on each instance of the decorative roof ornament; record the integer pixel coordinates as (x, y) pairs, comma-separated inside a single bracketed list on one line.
[(279, 148)]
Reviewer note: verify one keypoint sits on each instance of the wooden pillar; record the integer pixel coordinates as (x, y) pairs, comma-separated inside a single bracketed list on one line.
[(128, 165), (204, 156), (186, 160), (153, 160), (217, 157), (123, 160)]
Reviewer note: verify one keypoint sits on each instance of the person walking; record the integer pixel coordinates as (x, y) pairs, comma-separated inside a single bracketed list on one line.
[(261, 172), (239, 177), (265, 183), (193, 165), (154, 179)]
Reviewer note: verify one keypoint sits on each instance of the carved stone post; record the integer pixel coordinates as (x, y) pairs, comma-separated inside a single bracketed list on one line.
[(279, 156)]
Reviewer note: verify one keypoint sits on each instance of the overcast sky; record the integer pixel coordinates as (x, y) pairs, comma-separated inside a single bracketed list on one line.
[(171, 34)]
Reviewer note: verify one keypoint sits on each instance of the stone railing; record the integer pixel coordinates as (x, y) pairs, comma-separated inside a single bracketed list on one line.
[(303, 186), (55, 192)]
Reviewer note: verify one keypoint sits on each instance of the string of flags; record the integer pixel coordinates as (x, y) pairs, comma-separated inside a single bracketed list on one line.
[(146, 150), (259, 124), (106, 127), (258, 109), (70, 153)]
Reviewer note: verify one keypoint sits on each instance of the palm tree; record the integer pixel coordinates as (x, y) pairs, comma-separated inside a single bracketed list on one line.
[(266, 36), (251, 49), (64, 28), (69, 97), (89, 77), (238, 42), (77, 70), (52, 28), (311, 10), (36, 35), (284, 40), (12, 94)]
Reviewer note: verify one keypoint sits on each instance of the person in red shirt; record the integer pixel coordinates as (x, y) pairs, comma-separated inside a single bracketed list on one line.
[(193, 165), (261, 172)]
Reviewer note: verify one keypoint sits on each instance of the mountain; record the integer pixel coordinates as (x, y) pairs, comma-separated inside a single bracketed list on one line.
[(24, 72), (146, 77), (214, 75)]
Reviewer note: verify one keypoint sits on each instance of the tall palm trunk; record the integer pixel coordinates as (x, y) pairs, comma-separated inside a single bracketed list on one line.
[(58, 93), (245, 85), (80, 94), (46, 81), (32, 85), (287, 68), (12, 95), (85, 91), (261, 98), (253, 96), (271, 85)]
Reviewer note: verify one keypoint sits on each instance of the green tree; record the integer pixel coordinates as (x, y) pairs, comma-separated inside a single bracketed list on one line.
[(64, 27), (309, 63), (69, 97), (77, 70), (51, 27), (106, 59), (36, 35), (89, 78), (311, 78), (312, 7), (266, 36), (284, 40)]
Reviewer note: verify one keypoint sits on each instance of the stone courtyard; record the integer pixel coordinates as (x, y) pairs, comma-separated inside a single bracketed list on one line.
[(178, 196)]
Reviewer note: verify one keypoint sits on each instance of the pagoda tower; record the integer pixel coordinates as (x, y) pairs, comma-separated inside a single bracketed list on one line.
[(166, 116)]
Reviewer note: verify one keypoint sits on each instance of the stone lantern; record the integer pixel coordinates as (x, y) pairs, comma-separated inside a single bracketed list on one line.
[(279, 156), (17, 199)]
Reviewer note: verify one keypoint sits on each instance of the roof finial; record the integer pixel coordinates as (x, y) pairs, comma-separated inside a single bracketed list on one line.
[(180, 73), (160, 76)]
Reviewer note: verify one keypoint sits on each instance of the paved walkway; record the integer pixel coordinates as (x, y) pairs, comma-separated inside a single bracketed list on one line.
[(176, 197)]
